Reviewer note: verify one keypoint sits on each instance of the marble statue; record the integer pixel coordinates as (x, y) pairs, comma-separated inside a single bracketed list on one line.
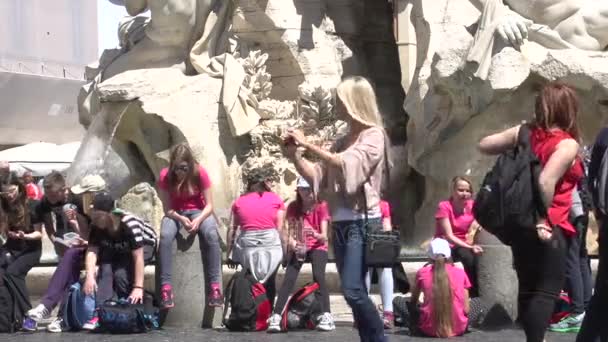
[(555, 24)]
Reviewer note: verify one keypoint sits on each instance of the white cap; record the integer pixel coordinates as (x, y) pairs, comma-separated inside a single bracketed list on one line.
[(439, 247), (90, 183), (302, 183)]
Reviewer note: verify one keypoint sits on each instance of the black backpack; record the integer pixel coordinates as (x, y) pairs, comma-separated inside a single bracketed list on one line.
[(509, 199), (249, 306), (14, 303), (302, 309)]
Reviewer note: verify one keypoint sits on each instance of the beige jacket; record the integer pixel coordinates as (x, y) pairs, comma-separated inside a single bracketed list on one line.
[(363, 163)]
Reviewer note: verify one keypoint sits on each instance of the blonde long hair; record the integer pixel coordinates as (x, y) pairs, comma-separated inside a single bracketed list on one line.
[(442, 299), (359, 98)]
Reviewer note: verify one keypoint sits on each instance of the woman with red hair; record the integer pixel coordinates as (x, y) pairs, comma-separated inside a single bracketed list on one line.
[(539, 255)]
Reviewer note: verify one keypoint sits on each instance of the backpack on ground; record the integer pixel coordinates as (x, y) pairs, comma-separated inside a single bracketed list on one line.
[(14, 303), (78, 308), (302, 309), (509, 199), (249, 306), (122, 317)]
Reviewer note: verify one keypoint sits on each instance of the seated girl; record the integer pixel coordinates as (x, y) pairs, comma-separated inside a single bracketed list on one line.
[(445, 306), (454, 218), (309, 221), (23, 245), (186, 191), (258, 216)]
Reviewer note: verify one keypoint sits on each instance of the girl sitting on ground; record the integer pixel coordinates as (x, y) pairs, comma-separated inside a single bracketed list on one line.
[(445, 287)]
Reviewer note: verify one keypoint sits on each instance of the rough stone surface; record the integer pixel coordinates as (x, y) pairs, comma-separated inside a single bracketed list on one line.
[(142, 200), (498, 289)]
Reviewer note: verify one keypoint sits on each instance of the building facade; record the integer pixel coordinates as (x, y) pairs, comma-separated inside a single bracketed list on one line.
[(44, 47)]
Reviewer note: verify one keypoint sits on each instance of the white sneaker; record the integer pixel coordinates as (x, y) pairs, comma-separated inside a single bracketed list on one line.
[(326, 322), (274, 323), (38, 313), (56, 325)]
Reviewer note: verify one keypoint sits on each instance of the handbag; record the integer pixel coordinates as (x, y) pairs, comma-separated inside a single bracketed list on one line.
[(382, 247)]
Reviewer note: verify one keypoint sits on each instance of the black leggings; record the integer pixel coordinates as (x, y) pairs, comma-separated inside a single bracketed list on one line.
[(469, 261), (21, 262), (318, 259), (540, 268)]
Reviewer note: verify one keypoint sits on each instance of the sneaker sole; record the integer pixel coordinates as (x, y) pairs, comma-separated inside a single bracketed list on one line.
[(325, 329), (566, 330), (273, 331)]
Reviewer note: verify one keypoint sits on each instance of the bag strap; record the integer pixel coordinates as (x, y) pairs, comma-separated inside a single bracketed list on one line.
[(228, 295), (387, 170)]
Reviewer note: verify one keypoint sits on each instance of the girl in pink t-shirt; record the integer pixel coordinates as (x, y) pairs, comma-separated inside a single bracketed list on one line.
[(258, 216), (454, 218), (308, 221), (186, 192), (444, 310)]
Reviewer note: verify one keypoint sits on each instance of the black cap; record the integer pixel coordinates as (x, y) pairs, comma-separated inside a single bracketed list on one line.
[(103, 201)]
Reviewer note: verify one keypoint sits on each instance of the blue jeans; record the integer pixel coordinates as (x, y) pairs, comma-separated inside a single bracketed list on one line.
[(349, 249), (209, 243)]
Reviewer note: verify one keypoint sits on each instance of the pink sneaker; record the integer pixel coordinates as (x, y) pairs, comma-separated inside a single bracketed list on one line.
[(388, 319), (166, 297), (215, 298)]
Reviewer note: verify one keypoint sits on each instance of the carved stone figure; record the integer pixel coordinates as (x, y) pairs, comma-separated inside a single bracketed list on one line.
[(555, 24)]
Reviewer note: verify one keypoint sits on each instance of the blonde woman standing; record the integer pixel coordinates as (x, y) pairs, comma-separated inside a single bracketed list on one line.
[(350, 174)]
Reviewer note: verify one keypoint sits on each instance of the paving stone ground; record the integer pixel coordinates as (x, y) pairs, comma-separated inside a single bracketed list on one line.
[(343, 333)]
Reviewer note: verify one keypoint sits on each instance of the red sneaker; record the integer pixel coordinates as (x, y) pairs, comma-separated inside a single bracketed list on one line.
[(166, 297)]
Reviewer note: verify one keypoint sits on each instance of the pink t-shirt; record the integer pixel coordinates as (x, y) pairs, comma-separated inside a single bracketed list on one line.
[(459, 283), (311, 220), (179, 201), (460, 222), (253, 211), (385, 209)]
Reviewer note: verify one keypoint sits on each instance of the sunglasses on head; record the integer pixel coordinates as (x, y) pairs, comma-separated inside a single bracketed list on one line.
[(184, 168)]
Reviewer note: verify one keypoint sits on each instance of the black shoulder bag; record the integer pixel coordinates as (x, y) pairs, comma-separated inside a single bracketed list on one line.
[(382, 247)]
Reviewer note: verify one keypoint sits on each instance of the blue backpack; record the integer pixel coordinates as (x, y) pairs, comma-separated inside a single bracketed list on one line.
[(77, 308)]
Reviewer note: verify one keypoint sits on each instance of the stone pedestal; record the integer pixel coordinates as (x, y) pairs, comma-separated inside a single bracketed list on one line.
[(190, 287), (497, 281)]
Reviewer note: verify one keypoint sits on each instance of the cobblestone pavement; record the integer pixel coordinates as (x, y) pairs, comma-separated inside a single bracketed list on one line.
[(342, 333)]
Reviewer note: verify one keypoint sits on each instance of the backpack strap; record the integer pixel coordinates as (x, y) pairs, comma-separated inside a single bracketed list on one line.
[(523, 136), (228, 294)]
